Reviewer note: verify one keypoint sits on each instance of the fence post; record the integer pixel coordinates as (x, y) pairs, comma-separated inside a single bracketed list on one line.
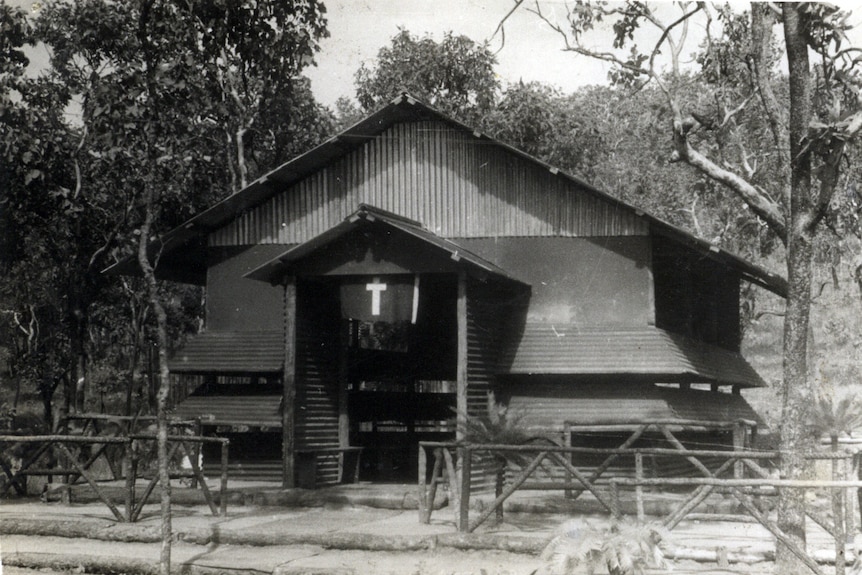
[(567, 441), (838, 512), (464, 480), (424, 515), (849, 507), (615, 497), (639, 490), (129, 471), (222, 499), (738, 446)]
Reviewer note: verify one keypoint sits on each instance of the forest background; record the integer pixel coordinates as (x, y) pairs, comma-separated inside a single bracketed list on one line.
[(235, 102)]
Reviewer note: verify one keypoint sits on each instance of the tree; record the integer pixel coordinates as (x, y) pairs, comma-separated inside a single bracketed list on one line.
[(172, 99), (70, 149), (538, 119), (455, 75), (812, 113)]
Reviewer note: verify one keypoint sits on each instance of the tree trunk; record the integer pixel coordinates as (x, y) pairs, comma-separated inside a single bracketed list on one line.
[(164, 381), (797, 391)]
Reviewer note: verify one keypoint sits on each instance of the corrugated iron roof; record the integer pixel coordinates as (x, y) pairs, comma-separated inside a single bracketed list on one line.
[(231, 352), (252, 410), (367, 214), (550, 407), (407, 108), (664, 356)]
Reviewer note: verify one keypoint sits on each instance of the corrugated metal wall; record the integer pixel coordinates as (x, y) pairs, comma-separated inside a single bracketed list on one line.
[(489, 313), (317, 376), (457, 185)]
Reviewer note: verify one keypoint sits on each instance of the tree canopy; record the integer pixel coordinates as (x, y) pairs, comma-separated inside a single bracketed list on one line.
[(211, 92), (779, 140)]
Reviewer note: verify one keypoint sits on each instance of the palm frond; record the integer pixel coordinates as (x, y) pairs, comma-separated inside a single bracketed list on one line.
[(625, 547), (832, 417)]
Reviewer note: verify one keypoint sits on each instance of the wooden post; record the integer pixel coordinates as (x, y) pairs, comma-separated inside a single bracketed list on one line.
[(838, 511), (222, 493), (129, 471), (461, 399), (424, 514), (463, 468), (849, 511), (343, 397), (436, 472), (288, 473), (466, 459), (738, 446), (567, 442), (639, 490), (197, 429)]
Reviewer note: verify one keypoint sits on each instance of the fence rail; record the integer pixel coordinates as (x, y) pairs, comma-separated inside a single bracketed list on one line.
[(741, 473), (74, 462)]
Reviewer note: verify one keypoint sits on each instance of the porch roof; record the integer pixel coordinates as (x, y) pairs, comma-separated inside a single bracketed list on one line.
[(648, 353), (231, 352), (273, 270), (249, 409), (550, 408)]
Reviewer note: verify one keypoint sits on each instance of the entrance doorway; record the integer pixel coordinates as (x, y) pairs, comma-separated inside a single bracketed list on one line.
[(401, 382)]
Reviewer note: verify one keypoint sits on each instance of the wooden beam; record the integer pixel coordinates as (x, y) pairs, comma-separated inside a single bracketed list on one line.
[(463, 469), (461, 399), (343, 397), (288, 398)]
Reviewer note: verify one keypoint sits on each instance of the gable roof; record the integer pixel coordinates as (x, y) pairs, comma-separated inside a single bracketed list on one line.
[(370, 215), (401, 109)]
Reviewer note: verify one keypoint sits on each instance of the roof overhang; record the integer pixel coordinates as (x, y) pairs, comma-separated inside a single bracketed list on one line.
[(253, 410), (644, 355), (551, 408), (401, 109), (371, 219), (231, 352)]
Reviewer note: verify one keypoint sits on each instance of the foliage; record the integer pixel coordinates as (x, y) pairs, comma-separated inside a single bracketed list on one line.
[(497, 426), (455, 75), (625, 547), (538, 119), (75, 139), (832, 416), (779, 142)]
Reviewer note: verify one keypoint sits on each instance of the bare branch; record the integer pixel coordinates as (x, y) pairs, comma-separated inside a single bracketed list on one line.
[(501, 25), (665, 36), (761, 22), (759, 202)]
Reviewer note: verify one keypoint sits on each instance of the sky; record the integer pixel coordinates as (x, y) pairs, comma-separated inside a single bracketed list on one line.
[(359, 28), (532, 51)]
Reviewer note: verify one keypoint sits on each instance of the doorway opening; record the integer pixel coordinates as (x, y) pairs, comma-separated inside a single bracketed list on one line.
[(401, 382)]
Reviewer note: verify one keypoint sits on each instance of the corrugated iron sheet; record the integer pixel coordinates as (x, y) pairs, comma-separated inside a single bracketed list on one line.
[(317, 377), (656, 353), (231, 352), (547, 407), (459, 183), (450, 180), (369, 215), (252, 410)]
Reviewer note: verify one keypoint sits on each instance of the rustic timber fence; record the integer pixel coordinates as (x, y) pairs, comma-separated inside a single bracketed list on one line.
[(749, 482), (74, 456)]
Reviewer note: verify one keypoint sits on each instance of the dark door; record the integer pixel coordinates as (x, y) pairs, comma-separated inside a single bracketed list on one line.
[(401, 382)]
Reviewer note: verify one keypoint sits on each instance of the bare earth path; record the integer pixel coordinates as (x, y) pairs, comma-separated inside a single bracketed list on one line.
[(334, 539)]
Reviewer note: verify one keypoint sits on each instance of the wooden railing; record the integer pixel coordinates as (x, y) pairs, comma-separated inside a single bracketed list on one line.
[(74, 462), (741, 473)]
